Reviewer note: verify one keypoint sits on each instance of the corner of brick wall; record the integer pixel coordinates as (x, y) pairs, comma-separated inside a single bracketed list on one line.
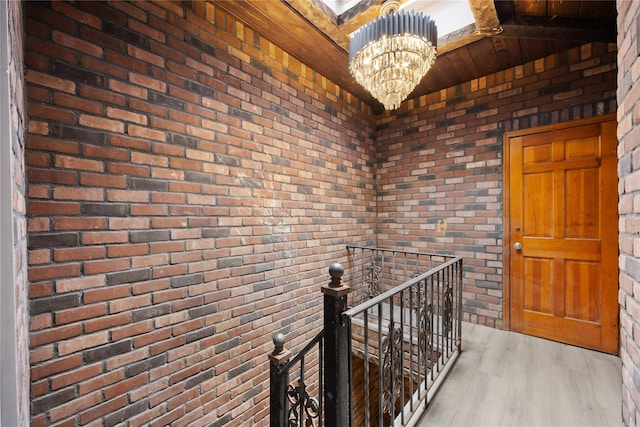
[(628, 207), (18, 208), (440, 160)]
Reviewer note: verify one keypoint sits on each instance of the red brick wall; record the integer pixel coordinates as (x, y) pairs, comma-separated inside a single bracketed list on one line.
[(189, 186), (440, 160), (628, 207)]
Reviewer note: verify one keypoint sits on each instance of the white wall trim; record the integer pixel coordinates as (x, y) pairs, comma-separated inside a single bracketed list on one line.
[(8, 335)]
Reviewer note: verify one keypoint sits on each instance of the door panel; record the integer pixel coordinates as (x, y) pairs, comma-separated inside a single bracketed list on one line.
[(561, 206)]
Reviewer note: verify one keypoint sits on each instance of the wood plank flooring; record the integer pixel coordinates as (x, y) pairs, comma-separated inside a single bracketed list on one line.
[(508, 379)]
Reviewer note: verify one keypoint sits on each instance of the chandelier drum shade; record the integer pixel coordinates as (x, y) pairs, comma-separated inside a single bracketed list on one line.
[(391, 54)]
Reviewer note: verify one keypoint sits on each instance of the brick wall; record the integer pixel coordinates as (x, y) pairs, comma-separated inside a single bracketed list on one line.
[(15, 297), (189, 185), (440, 160), (628, 207)]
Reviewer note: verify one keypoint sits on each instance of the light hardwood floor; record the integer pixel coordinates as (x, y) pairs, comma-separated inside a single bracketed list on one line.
[(508, 379)]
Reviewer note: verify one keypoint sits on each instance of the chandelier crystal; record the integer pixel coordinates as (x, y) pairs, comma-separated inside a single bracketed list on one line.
[(390, 55)]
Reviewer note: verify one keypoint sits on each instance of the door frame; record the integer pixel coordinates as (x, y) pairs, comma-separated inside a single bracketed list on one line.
[(506, 197)]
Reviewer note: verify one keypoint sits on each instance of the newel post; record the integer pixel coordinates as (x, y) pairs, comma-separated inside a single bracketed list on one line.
[(278, 382), (336, 351)]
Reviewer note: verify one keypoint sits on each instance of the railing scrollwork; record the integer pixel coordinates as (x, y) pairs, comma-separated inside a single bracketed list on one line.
[(304, 410), (391, 368), (372, 281), (447, 315), (425, 335)]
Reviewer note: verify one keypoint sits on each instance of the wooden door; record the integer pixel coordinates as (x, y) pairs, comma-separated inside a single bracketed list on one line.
[(561, 234)]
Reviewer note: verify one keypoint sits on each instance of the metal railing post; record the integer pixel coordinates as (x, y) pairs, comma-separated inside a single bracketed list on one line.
[(279, 382), (336, 351)]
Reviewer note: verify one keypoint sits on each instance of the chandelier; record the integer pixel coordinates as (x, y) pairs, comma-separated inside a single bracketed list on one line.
[(390, 55)]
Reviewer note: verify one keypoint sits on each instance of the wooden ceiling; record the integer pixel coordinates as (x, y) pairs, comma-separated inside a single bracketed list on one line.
[(507, 33)]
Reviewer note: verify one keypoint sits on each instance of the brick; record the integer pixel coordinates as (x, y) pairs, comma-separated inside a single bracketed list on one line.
[(106, 322), (77, 74), (42, 256), (52, 400), (153, 311), (149, 236), (167, 344), (88, 194), (52, 208), (79, 223), (101, 95), (149, 159), (52, 176), (104, 209), (56, 366), (149, 210), (116, 251), (147, 184), (106, 294), (52, 145), (54, 303), (50, 81), (98, 411), (129, 276), (132, 330), (51, 240), (80, 313), (150, 31), (76, 14), (121, 114), (127, 35), (105, 153), (194, 381), (66, 162), (128, 223), (128, 89), (129, 304), (167, 271), (108, 351), (125, 385), (145, 365), (82, 343), (72, 377), (187, 280), (94, 180), (127, 196), (146, 56), (148, 107), (105, 266), (104, 237), (53, 335), (53, 272), (153, 337), (101, 123), (75, 43)]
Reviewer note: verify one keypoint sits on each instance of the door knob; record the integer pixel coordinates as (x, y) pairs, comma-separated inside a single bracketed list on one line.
[(517, 246)]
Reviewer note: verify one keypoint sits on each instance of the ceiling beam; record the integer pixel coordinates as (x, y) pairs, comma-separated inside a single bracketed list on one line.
[(323, 18), (542, 28)]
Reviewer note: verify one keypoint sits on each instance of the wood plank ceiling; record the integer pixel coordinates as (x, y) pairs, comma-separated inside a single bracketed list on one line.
[(506, 33)]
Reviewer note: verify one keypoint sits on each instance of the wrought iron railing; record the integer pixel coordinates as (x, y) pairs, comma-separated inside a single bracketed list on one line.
[(411, 330), (293, 402), (377, 363)]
